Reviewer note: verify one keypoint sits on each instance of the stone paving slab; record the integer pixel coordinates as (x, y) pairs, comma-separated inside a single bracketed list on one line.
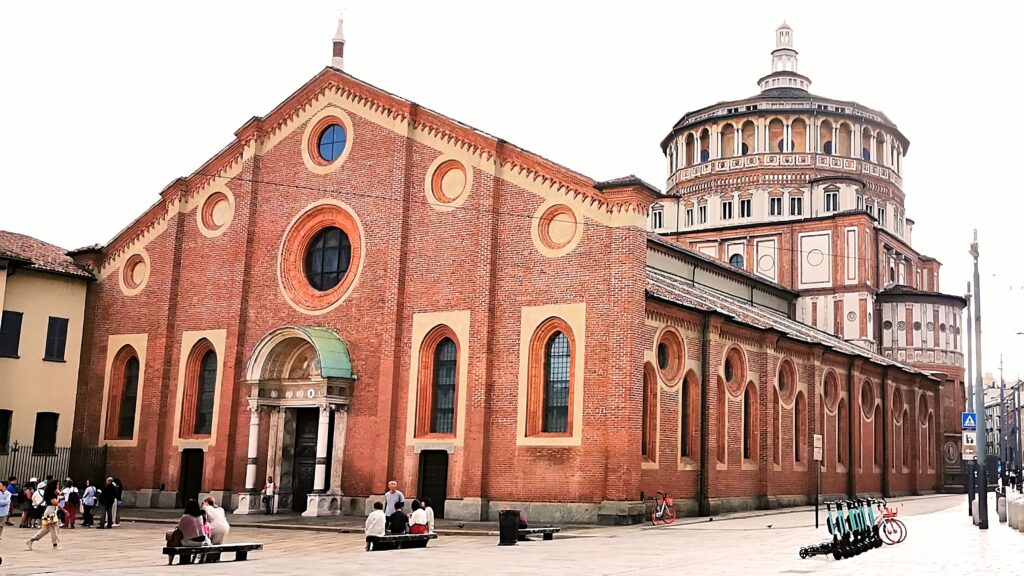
[(941, 540)]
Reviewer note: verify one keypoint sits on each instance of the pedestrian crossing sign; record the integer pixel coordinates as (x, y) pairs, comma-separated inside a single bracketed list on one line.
[(969, 421)]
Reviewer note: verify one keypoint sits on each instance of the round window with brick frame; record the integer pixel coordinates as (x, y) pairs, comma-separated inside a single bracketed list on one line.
[(787, 381), (321, 256), (831, 391), (867, 399), (734, 370), (328, 257), (671, 356)]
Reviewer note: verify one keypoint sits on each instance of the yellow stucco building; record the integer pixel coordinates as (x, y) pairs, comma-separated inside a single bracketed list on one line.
[(42, 296)]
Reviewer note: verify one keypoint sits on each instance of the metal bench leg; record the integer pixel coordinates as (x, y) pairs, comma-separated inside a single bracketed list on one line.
[(549, 536), (241, 555)]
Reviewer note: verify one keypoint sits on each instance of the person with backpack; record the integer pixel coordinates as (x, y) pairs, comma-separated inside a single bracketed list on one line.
[(72, 500), (88, 501)]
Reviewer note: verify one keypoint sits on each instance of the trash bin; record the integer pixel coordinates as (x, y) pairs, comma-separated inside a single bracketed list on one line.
[(508, 527)]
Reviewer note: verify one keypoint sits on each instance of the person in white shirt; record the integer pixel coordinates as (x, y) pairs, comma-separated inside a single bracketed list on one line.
[(418, 520), (375, 524), (429, 511), (88, 501), (218, 520), (268, 495)]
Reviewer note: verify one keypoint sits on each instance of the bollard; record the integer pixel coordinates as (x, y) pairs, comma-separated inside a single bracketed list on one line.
[(1020, 513), (1011, 512), (1001, 508), (975, 514)]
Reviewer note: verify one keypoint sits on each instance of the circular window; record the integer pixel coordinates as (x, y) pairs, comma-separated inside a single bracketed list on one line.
[(321, 256), (215, 214), (887, 325), (448, 182), (671, 356), (931, 326), (851, 316), (917, 325), (327, 258), (134, 272), (331, 143), (942, 327), (867, 400), (831, 391), (734, 371), (736, 260), (787, 381), (901, 325), (557, 230)]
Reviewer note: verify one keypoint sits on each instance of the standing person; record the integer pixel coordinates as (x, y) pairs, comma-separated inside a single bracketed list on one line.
[(72, 500), (5, 505), (375, 525), (268, 495), (48, 520), (218, 520), (117, 501), (108, 496), (12, 488), (392, 497), (38, 505), (398, 522), (25, 503), (428, 509), (88, 501)]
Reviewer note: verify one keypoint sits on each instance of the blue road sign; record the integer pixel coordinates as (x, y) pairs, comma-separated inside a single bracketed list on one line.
[(969, 421)]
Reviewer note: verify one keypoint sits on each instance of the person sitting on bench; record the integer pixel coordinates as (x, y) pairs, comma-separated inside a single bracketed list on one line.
[(191, 526), (375, 524), (398, 522)]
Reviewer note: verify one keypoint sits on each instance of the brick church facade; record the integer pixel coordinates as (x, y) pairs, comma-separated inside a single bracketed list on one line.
[(358, 289)]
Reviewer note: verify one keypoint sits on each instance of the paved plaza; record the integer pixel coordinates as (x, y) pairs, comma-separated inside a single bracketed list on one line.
[(941, 541)]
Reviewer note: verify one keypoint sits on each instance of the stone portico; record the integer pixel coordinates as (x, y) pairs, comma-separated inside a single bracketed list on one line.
[(302, 378)]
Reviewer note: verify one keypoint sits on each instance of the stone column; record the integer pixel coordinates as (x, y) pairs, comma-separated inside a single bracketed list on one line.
[(254, 440), (320, 474), (337, 458), (835, 140)]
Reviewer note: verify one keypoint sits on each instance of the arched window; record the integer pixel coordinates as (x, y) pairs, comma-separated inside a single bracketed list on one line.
[(648, 426), (776, 428), (842, 417), (799, 427), (684, 417), (437, 383), (705, 155), (748, 427), (557, 359), (207, 388), (722, 439), (736, 260), (907, 438), (442, 412), (827, 147), (878, 436), (129, 399)]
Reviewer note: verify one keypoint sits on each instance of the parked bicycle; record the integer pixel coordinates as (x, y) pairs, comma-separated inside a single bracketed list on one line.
[(892, 530), (664, 512)]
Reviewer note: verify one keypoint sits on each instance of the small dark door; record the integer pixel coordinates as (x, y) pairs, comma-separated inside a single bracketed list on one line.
[(191, 475), (307, 420), (434, 479)]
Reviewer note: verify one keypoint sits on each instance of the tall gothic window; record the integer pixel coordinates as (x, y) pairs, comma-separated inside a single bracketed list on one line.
[(129, 398), (442, 416), (207, 388), (557, 356)]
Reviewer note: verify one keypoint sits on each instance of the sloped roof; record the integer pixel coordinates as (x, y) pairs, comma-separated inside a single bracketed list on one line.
[(38, 255), (679, 291)]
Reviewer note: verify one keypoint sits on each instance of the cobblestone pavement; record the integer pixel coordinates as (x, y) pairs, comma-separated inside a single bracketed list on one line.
[(941, 540)]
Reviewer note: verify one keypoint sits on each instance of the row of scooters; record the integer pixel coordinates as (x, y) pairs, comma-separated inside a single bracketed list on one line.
[(853, 529)]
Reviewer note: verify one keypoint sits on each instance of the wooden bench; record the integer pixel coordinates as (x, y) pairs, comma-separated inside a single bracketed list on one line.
[(187, 554), (548, 532), (396, 541)]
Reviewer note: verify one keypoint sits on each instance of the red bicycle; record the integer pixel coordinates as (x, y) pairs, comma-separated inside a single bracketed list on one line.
[(664, 512), (891, 529)]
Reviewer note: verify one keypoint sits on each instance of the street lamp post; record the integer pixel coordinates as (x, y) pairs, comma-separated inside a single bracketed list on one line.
[(969, 465), (979, 394)]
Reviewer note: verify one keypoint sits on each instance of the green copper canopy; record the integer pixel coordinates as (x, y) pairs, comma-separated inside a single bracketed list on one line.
[(334, 359)]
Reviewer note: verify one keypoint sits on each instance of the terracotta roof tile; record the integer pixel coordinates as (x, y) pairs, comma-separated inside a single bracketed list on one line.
[(679, 291), (39, 255)]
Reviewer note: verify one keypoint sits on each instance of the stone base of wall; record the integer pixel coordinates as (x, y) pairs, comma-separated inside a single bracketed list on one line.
[(468, 509), (738, 504)]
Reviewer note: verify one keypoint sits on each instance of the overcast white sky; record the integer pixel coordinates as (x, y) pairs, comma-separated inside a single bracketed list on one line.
[(107, 102)]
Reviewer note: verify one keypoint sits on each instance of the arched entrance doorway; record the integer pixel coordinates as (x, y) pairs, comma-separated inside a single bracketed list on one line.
[(301, 377)]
